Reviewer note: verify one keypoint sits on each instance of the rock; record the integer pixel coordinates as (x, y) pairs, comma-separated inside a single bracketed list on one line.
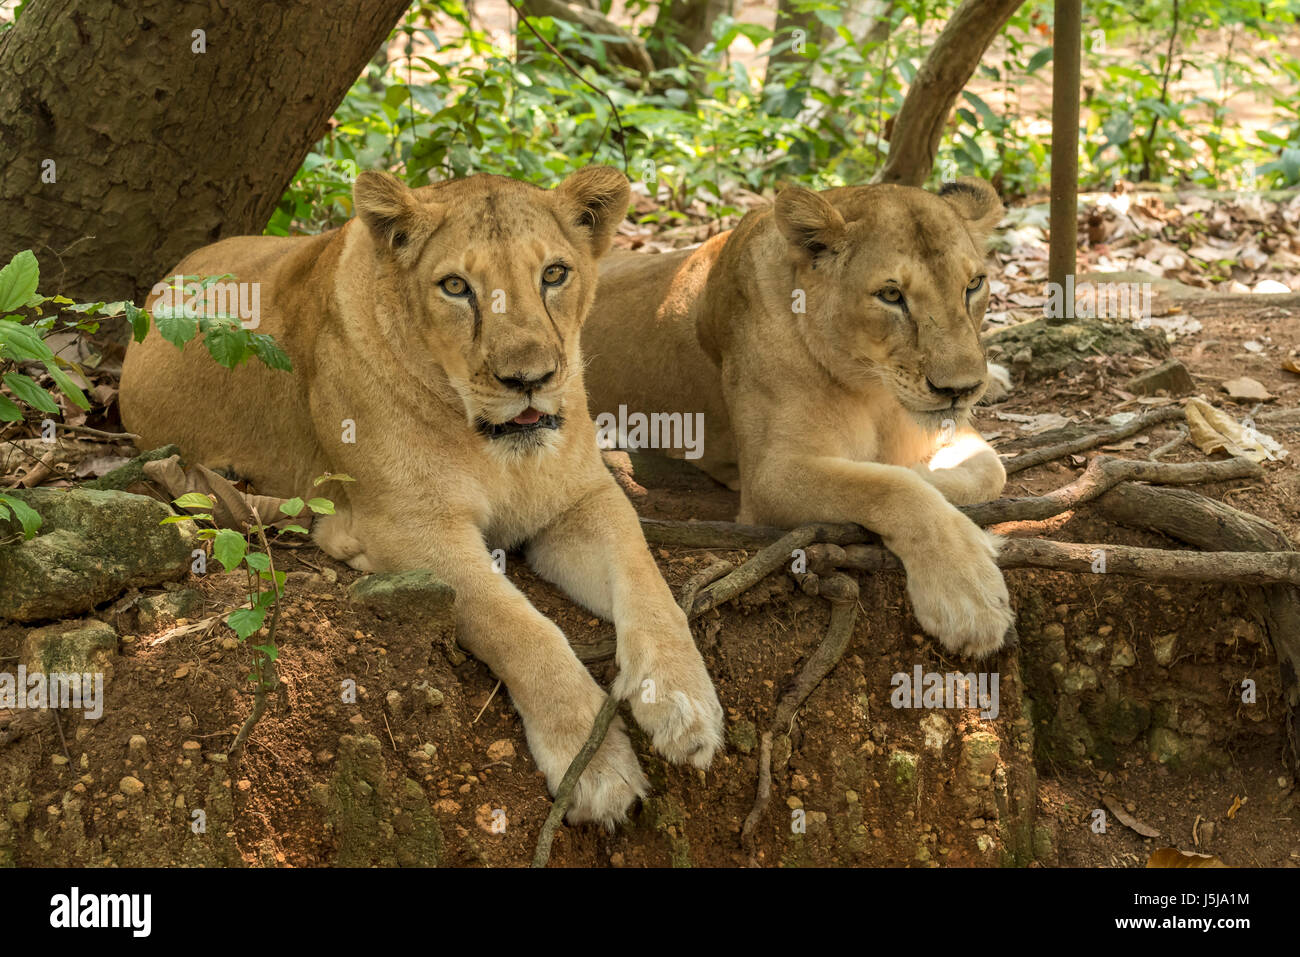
[(502, 750), (131, 786), (181, 603), (70, 647), (1246, 388), (414, 596), (137, 742), (1167, 747), (92, 545), (902, 771), (937, 730), (1123, 656), (743, 736), (1163, 646), (979, 758), (1170, 376)]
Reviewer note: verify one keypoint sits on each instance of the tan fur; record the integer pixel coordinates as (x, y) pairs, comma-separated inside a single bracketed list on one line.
[(827, 414), (376, 341)]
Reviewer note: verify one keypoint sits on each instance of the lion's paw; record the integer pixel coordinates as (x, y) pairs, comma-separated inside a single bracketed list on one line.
[(673, 699), (610, 783), (960, 597)]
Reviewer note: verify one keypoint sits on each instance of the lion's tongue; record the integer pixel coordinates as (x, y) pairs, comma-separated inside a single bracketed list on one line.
[(527, 417)]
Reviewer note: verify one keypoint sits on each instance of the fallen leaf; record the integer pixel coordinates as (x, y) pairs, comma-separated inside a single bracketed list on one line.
[(1246, 388), (1291, 364), (1214, 431), (1172, 857), (1237, 804), (1128, 820)]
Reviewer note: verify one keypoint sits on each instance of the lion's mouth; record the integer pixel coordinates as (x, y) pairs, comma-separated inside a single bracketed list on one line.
[(529, 420)]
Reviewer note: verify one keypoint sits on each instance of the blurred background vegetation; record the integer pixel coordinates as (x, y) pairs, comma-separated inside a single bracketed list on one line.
[(712, 98)]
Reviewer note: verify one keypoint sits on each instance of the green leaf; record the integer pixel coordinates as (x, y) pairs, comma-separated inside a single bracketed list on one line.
[(321, 506), (26, 515), (257, 561), (18, 281), (292, 507), (139, 321), (193, 500), (332, 477), (8, 411), (177, 519), (269, 352), (22, 342), (1039, 59), (67, 386), (24, 388), (228, 344), (245, 621), (229, 548), (294, 528), (270, 651), (176, 328), (279, 578)]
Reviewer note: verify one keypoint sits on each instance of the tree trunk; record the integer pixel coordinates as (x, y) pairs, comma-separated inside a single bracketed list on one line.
[(788, 19), (123, 146), (948, 67), (690, 22), (620, 46)]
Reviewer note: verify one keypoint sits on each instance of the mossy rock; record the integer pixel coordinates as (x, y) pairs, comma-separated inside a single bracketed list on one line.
[(91, 547)]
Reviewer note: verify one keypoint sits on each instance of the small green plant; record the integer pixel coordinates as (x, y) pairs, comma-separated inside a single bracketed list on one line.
[(251, 551)]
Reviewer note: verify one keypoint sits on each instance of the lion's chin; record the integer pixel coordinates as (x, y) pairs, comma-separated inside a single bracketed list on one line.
[(939, 420)]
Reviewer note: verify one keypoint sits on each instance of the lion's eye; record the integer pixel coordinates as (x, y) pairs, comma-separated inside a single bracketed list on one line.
[(975, 284), (454, 286), (554, 274), (891, 295)]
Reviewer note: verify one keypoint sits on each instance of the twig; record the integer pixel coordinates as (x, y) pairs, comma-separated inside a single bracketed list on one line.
[(564, 793), (495, 689), (756, 569), (1092, 440), (96, 433), (705, 576), (1169, 446), (1104, 473), (622, 138), (844, 615)]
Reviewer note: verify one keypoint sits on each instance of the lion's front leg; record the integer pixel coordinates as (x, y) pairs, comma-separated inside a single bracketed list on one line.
[(598, 555), (553, 692)]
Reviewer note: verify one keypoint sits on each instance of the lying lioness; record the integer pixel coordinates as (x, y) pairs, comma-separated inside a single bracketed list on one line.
[(832, 344), (435, 346)]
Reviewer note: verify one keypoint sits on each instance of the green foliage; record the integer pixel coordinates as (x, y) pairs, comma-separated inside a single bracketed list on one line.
[(817, 117)]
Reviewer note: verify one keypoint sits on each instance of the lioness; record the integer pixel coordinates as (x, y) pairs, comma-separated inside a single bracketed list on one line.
[(832, 343), (435, 344)]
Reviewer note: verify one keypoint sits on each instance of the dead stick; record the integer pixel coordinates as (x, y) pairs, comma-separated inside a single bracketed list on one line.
[(706, 576), (1152, 564), (754, 570), (1102, 474), (844, 614), (564, 793), (1092, 440)]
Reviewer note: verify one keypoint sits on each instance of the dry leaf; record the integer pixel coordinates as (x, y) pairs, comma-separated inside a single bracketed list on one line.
[(1172, 857), (1291, 364), (1213, 431), (1237, 804), (1246, 388), (1128, 820)]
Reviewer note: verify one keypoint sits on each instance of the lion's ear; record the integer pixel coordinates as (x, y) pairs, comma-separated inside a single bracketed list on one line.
[(598, 198), (387, 206), (977, 203), (807, 221)]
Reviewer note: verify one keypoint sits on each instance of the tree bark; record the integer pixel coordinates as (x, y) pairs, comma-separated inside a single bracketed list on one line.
[(948, 67), (690, 22), (625, 50), (153, 147)]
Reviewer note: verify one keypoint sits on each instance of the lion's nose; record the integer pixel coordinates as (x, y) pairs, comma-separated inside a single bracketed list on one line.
[(952, 392), (526, 381)]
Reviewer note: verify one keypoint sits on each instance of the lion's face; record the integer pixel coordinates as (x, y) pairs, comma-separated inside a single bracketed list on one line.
[(896, 288), (484, 283)]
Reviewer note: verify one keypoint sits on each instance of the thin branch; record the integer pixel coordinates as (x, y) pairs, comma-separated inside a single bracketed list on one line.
[(1092, 440)]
